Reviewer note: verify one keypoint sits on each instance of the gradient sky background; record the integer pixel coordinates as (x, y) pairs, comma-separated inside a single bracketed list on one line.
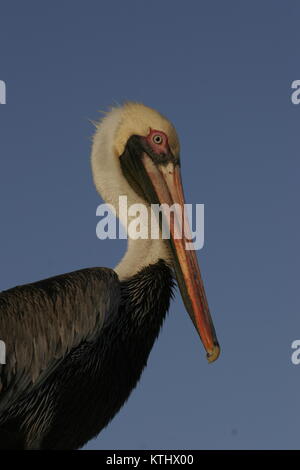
[(222, 72)]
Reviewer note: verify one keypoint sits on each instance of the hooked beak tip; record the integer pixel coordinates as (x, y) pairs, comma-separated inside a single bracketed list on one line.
[(213, 354)]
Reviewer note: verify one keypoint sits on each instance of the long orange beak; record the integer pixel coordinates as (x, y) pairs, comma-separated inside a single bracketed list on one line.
[(166, 182)]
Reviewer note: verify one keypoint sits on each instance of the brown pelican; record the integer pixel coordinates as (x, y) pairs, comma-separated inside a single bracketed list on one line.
[(76, 344)]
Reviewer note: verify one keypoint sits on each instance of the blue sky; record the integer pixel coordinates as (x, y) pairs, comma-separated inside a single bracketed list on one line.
[(222, 72)]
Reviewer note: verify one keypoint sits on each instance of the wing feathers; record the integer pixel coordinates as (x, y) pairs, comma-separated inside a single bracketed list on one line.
[(41, 322)]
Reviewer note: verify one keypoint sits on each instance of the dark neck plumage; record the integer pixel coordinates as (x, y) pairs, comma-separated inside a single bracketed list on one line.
[(151, 288)]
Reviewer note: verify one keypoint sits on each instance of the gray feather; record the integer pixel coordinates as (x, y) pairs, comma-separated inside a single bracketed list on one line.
[(41, 322)]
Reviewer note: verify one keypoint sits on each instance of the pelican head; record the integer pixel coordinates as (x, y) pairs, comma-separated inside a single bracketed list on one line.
[(136, 153)]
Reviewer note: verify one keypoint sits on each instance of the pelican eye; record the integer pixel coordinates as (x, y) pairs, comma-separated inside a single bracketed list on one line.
[(157, 139)]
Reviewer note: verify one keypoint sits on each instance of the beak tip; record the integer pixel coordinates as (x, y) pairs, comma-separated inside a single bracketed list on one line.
[(213, 354)]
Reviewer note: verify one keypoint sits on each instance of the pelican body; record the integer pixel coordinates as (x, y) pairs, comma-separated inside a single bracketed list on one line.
[(77, 343)]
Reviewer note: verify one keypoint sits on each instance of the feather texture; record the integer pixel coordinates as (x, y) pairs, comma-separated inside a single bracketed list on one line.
[(71, 401)]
